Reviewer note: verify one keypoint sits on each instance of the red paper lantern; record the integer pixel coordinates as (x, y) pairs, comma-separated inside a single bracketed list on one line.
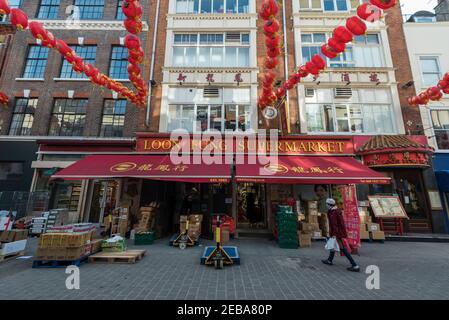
[(303, 71), (383, 4), (271, 63), (295, 78), (273, 52), (423, 98), (432, 91), (271, 27), (312, 69), (356, 26), (38, 32), (19, 19), (132, 42), (342, 34), (133, 26), (133, 69), (269, 76), (328, 52), (411, 100), (273, 41), (90, 71), (78, 65), (4, 7), (446, 77), (446, 90), (336, 45), (132, 9), (64, 49), (442, 84), (319, 62), (269, 9), (288, 85), (280, 92), (369, 12)]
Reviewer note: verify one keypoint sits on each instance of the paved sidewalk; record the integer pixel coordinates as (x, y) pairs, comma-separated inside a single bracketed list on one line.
[(408, 271)]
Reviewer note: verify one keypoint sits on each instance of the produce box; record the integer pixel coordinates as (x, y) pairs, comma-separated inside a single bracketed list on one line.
[(373, 227), (364, 234), (144, 238), (305, 239), (115, 246), (95, 245), (377, 235), (13, 235), (12, 247)]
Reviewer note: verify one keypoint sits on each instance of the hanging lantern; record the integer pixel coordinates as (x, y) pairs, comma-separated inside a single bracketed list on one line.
[(446, 77), (78, 65), (412, 101), (4, 99), (288, 85), (319, 62), (383, 4), (442, 84), (38, 32), (133, 69), (303, 71), (19, 19), (132, 42), (437, 97), (280, 92), (274, 52), (336, 45), (132, 9), (369, 12), (269, 76), (273, 41), (90, 71), (271, 63), (64, 48), (4, 7), (423, 98), (342, 34), (295, 78), (356, 26), (328, 52), (434, 93), (271, 27), (269, 9), (446, 90), (133, 26), (312, 69)]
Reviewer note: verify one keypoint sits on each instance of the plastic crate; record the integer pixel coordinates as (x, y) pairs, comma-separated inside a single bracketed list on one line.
[(142, 239)]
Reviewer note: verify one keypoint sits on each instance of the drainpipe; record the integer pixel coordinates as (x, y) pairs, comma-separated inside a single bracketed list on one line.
[(153, 54), (287, 108)]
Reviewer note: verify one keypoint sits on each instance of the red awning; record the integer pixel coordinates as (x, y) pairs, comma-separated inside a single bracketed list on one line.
[(310, 170), (157, 167)]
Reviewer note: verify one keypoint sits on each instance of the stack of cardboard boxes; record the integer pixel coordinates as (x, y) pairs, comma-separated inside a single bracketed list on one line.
[(368, 229), (146, 218), (12, 241), (310, 227), (195, 221), (66, 246)]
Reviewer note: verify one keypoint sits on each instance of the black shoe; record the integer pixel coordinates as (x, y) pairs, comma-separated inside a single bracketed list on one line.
[(329, 263), (354, 269)]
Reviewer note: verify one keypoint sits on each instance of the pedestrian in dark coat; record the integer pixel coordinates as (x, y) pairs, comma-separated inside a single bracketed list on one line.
[(337, 229)]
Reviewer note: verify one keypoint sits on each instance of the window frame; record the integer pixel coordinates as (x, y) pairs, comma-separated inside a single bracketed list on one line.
[(27, 59), (26, 112), (83, 115), (429, 57), (50, 6), (82, 9), (73, 74), (225, 7), (120, 117), (123, 60), (434, 131)]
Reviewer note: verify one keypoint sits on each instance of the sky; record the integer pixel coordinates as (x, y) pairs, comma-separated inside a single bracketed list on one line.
[(411, 6)]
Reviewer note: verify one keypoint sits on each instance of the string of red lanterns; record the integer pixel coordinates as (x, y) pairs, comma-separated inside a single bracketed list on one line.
[(431, 94), (133, 24), (354, 26)]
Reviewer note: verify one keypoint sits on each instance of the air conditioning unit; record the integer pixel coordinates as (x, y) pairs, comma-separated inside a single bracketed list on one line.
[(342, 92), (233, 37), (211, 92), (310, 92)]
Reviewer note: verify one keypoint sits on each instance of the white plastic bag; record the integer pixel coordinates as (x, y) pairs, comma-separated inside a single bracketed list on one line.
[(332, 244)]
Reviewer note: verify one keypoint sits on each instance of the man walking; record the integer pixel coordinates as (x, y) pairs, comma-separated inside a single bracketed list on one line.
[(337, 229)]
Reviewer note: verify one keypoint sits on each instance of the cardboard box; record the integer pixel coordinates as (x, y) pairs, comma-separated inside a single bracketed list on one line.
[(95, 246), (364, 234), (13, 247), (312, 219), (373, 227), (305, 239), (317, 234), (312, 205), (377, 235)]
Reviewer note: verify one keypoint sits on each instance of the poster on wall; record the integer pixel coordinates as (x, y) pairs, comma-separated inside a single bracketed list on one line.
[(346, 198), (389, 207)]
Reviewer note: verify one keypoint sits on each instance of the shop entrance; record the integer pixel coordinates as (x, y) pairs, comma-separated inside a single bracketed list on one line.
[(251, 206), (103, 200)]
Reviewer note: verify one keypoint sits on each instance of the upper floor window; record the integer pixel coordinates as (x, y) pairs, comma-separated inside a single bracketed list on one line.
[(335, 5), (88, 53), (36, 62), (330, 5), (23, 117), (440, 120), (68, 117), (430, 71), (90, 9), (366, 51), (113, 120), (211, 50), (212, 6), (206, 117), (310, 4), (349, 118), (119, 63), (48, 9), (120, 15)]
